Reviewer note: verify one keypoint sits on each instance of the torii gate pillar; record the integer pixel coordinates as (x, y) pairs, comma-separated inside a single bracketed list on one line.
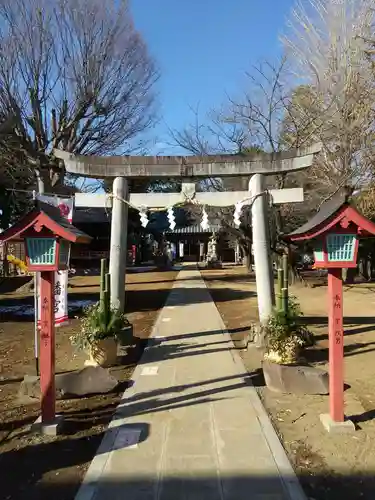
[(261, 245), (118, 249)]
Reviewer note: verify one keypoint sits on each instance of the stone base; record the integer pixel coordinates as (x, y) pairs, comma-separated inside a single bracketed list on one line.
[(214, 264), (295, 379), (333, 427), (125, 337), (50, 429)]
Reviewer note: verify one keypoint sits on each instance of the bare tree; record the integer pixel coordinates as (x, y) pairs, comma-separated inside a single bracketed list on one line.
[(75, 75), (326, 45), (254, 122), (332, 103), (216, 135)]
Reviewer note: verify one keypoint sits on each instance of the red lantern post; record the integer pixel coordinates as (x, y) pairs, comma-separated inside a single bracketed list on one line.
[(47, 347), (48, 237), (336, 345), (334, 232)]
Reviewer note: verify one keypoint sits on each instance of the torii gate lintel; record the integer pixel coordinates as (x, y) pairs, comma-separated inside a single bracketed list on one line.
[(193, 167)]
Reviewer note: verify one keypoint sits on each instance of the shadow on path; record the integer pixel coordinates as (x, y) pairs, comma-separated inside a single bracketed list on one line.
[(182, 486), (40, 462), (136, 300)]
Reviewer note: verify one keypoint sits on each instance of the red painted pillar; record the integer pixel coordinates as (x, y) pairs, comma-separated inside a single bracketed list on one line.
[(47, 346), (336, 345)]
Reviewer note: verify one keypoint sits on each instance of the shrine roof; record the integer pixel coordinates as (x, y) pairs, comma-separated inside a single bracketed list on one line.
[(54, 213), (336, 210), (327, 210), (50, 217), (196, 229), (91, 216)]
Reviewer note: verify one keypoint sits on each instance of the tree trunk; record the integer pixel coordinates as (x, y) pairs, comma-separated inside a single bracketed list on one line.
[(364, 268), (248, 258), (371, 266), (248, 263), (294, 274), (349, 275)]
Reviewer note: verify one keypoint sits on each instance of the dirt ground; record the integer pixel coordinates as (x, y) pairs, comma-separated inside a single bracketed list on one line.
[(330, 467), (29, 464)]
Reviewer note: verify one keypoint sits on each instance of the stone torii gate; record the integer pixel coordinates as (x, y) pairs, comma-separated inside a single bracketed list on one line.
[(189, 169)]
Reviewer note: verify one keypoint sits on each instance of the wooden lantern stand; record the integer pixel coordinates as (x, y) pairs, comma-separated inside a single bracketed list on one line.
[(336, 345), (334, 232), (47, 348), (47, 236)]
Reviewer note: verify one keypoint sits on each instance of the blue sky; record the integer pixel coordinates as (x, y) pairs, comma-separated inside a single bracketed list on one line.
[(203, 48)]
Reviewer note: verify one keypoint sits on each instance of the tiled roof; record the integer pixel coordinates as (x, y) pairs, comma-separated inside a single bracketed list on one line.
[(196, 229), (54, 213), (91, 216), (327, 210)]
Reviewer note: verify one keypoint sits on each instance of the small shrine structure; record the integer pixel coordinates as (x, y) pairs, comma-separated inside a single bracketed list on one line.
[(48, 237), (334, 232)]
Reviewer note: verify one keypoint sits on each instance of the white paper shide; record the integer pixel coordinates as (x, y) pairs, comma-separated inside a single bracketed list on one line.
[(61, 277)]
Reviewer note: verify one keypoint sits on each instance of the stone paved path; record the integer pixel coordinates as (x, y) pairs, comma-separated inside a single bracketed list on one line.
[(203, 433)]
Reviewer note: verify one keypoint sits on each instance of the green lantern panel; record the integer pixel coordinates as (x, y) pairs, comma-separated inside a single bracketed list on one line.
[(318, 251), (64, 252), (341, 247), (41, 251)]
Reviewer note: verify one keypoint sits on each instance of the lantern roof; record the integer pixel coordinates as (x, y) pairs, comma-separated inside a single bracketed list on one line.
[(336, 211), (45, 216)]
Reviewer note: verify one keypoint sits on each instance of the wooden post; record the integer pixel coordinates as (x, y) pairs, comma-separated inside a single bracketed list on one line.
[(336, 346), (47, 347)]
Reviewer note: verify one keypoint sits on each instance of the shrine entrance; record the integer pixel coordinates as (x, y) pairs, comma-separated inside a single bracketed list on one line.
[(191, 242)]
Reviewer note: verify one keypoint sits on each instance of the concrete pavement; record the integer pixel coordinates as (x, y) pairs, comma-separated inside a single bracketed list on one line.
[(191, 426)]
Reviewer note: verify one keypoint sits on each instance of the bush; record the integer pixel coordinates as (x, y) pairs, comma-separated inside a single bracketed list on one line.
[(285, 335), (98, 324)]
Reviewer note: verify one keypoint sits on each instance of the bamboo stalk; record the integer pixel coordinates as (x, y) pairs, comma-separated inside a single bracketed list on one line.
[(284, 295), (286, 272), (107, 297), (102, 283), (280, 279)]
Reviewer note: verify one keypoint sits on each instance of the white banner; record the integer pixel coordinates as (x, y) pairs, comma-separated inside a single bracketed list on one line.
[(61, 277), (64, 204), (181, 249)]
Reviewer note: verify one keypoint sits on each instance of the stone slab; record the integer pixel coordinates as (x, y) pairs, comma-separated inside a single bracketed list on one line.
[(89, 380)]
